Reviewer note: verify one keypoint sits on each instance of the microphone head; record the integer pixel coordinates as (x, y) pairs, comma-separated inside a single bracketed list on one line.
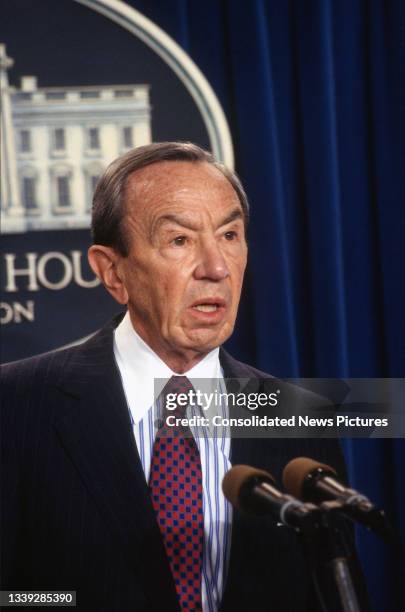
[(296, 472), (238, 478)]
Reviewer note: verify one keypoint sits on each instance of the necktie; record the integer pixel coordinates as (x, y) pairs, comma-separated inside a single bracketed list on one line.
[(175, 484)]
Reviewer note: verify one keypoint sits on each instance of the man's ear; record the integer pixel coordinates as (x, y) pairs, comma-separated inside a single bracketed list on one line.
[(104, 263)]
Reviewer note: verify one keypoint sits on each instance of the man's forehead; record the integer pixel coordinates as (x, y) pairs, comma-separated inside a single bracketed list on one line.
[(177, 182)]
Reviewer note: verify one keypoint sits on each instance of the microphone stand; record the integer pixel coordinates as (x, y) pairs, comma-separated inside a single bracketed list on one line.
[(329, 552)]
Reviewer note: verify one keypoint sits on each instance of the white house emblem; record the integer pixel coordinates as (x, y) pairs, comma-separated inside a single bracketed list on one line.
[(57, 142), (62, 123)]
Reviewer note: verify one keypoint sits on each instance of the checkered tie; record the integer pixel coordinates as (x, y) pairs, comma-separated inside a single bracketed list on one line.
[(176, 489)]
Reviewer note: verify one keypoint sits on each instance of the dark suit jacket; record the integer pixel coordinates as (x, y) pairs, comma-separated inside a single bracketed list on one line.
[(76, 512)]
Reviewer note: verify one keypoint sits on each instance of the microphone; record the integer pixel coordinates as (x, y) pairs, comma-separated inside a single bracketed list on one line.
[(312, 481), (253, 491)]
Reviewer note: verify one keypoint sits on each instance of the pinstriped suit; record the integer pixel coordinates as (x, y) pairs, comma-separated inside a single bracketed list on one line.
[(76, 508)]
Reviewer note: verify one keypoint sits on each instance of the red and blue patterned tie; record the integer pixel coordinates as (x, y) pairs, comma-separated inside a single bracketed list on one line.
[(175, 484)]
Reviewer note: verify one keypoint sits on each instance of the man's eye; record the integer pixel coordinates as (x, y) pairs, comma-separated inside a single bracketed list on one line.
[(230, 235), (180, 241)]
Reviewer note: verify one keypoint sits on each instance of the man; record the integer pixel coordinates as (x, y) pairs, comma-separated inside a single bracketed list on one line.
[(86, 504)]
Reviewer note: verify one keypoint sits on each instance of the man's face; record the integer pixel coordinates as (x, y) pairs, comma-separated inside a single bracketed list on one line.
[(187, 256)]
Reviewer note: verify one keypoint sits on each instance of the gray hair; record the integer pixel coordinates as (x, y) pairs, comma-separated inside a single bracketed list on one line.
[(108, 208)]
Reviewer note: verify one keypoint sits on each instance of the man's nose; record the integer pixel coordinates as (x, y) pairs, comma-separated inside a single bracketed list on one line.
[(212, 264)]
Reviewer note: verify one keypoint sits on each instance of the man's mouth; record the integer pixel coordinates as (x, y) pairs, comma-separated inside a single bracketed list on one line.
[(206, 307), (209, 305)]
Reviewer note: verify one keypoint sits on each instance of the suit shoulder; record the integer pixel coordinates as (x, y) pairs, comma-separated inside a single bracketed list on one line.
[(232, 368), (295, 391), (255, 372), (39, 368), (31, 375)]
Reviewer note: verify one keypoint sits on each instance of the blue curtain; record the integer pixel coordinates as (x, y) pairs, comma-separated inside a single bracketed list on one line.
[(313, 94)]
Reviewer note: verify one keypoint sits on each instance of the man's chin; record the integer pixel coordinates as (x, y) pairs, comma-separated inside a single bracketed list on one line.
[(204, 340)]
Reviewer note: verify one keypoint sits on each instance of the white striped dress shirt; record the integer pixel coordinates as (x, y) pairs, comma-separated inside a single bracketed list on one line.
[(139, 366)]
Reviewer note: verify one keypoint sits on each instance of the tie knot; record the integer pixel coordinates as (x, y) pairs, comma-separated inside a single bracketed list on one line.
[(175, 392), (178, 384)]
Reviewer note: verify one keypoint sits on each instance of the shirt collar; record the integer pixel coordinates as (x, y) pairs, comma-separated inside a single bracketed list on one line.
[(139, 365)]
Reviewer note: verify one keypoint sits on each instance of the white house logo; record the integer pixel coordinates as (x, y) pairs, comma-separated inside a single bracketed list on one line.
[(56, 140)]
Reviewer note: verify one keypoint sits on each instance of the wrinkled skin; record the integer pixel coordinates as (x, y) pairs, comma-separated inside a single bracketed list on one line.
[(184, 223)]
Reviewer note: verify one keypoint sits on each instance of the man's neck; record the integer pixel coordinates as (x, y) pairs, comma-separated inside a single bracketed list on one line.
[(179, 362)]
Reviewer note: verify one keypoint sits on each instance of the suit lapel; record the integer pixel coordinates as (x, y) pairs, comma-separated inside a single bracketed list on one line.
[(242, 448), (94, 426)]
